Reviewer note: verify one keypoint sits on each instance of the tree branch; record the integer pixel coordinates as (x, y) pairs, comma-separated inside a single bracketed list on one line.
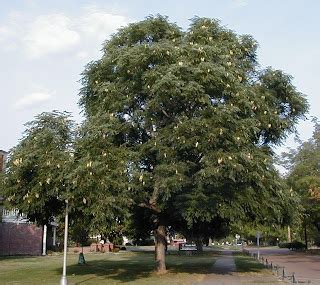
[(151, 207)]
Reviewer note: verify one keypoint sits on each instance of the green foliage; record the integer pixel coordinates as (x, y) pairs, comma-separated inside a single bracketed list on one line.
[(295, 245), (271, 233), (79, 229), (187, 122), (304, 178), (35, 180), (99, 176)]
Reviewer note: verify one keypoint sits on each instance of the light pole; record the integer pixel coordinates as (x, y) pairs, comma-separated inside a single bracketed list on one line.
[(258, 235), (63, 280)]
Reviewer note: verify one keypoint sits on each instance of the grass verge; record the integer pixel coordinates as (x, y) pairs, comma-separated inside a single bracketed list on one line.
[(111, 268), (245, 263)]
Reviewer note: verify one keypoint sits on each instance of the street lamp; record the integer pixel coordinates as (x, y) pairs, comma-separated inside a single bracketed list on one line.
[(258, 235), (63, 280)]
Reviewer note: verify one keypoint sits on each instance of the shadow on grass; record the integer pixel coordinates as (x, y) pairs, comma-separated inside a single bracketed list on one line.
[(140, 265)]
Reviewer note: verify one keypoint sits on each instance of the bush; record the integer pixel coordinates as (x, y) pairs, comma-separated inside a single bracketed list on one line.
[(295, 245), (284, 245), (317, 241)]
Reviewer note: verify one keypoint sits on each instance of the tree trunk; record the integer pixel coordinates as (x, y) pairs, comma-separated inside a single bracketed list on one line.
[(199, 244), (305, 236), (160, 244), (289, 234)]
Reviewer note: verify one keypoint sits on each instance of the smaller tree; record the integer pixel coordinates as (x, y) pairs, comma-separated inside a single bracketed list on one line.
[(99, 179), (35, 179), (304, 178)]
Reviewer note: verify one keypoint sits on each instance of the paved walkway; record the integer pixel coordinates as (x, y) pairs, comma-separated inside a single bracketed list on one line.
[(224, 272)]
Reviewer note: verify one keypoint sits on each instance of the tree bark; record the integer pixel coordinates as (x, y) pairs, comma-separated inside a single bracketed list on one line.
[(199, 244), (160, 253), (305, 236), (289, 234)]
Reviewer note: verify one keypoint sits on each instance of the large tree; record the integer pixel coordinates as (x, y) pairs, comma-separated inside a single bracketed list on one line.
[(186, 121), (303, 177), (35, 180)]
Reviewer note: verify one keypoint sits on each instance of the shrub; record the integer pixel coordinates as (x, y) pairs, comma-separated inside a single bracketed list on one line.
[(284, 245), (295, 245)]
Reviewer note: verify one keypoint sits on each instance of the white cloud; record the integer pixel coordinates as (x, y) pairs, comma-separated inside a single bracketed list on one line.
[(6, 35), (82, 55), (59, 33), (4, 32), (240, 3), (50, 34), (32, 99), (100, 25)]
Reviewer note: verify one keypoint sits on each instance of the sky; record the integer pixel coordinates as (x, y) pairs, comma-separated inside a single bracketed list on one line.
[(45, 45)]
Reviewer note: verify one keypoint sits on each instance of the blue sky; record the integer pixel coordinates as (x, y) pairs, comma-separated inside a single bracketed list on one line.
[(46, 44)]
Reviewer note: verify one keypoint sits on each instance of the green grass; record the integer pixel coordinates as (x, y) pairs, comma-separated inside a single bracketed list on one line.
[(245, 263), (117, 268)]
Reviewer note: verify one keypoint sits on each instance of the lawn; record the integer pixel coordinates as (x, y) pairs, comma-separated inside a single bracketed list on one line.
[(245, 263), (111, 268)]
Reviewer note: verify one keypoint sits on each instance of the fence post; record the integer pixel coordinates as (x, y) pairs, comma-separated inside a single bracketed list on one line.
[(293, 278)]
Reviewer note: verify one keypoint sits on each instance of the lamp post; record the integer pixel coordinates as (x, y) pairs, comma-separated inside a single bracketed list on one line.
[(63, 280), (258, 235)]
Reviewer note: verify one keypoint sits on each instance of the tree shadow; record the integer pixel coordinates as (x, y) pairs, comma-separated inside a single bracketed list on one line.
[(138, 266)]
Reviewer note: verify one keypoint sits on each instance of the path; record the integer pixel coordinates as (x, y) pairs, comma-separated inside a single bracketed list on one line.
[(224, 272)]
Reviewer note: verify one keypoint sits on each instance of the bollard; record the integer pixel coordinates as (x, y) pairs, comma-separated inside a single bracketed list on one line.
[(283, 274), (293, 278), (271, 265), (81, 259)]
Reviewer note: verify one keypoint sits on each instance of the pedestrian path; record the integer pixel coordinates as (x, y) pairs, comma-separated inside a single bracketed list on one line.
[(224, 272)]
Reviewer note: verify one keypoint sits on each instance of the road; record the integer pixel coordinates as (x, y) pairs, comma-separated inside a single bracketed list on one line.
[(305, 266)]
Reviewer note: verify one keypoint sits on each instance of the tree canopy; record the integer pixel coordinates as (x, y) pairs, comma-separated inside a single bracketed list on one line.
[(182, 123), (303, 176), (35, 180)]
